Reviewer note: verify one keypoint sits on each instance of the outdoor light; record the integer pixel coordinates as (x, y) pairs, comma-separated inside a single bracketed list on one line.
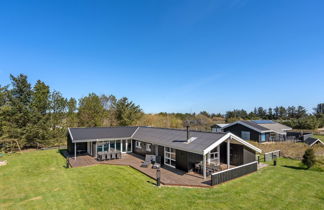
[(275, 160), (158, 176)]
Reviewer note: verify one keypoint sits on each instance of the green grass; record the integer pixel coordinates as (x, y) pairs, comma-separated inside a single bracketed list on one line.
[(38, 180), (321, 137)]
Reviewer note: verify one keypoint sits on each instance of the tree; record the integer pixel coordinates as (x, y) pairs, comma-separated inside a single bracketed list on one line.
[(58, 105), (91, 111), (319, 110), (40, 98), (291, 112), (300, 112), (108, 102), (38, 128), (127, 112), (20, 99), (204, 113), (309, 158), (71, 112)]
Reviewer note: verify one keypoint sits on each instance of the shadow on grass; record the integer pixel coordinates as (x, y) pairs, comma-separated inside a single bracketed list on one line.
[(303, 168), (295, 167), (152, 183)]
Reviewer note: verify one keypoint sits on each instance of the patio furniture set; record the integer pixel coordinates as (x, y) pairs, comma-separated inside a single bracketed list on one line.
[(108, 155), (152, 160), (210, 168)]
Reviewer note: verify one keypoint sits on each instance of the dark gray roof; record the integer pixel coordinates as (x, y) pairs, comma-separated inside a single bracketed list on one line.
[(255, 125), (310, 141), (176, 138), (79, 134)]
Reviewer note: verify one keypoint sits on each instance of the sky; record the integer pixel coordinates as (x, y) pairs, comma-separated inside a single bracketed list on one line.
[(170, 55)]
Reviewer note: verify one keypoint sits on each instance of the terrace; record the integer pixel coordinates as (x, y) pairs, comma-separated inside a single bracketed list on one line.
[(169, 176)]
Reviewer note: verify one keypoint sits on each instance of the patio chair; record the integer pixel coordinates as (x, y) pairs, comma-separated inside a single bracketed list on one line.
[(108, 156), (100, 157), (118, 155), (198, 167), (148, 161), (157, 163), (113, 155)]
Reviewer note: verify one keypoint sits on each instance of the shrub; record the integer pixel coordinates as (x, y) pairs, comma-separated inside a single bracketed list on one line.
[(309, 158)]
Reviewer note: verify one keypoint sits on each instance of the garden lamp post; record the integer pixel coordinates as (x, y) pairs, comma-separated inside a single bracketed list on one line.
[(158, 176), (275, 160)]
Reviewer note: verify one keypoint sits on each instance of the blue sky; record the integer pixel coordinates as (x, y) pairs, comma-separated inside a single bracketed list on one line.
[(173, 56)]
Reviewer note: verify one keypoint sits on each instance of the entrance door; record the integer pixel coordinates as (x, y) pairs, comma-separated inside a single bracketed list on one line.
[(129, 145)]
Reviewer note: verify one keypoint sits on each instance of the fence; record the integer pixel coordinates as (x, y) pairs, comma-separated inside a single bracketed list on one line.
[(232, 173), (270, 155)]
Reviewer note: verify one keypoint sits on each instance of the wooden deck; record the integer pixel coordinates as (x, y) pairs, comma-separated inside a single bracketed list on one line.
[(169, 176)]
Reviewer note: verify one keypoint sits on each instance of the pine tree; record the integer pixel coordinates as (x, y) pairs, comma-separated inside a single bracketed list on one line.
[(309, 158)]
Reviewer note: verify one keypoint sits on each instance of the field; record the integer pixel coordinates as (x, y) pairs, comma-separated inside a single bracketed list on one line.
[(38, 180), (290, 149)]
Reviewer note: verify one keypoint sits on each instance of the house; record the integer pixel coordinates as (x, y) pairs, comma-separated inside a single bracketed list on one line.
[(258, 130), (180, 149), (312, 141), (218, 127)]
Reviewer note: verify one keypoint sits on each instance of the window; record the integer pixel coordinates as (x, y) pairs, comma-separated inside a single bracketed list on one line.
[(245, 135), (112, 146), (99, 148), (106, 147), (263, 136), (170, 157), (213, 155), (138, 144), (148, 147)]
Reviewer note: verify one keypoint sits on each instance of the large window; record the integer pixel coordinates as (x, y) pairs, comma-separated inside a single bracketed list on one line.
[(112, 146), (170, 157), (214, 156), (129, 145), (245, 135)]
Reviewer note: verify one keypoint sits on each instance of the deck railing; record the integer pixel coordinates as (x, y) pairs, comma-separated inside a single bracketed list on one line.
[(232, 173)]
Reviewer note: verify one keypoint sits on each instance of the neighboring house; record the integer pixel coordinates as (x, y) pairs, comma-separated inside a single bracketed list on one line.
[(312, 141), (258, 130), (218, 127), (180, 149)]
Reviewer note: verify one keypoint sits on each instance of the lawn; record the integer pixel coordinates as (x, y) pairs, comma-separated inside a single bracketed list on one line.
[(38, 180)]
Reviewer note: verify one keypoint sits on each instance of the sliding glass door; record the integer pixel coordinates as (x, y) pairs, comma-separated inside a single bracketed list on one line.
[(126, 146)]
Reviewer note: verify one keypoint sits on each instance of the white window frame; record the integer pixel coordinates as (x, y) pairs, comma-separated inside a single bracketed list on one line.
[(169, 158), (214, 156), (138, 144), (148, 147)]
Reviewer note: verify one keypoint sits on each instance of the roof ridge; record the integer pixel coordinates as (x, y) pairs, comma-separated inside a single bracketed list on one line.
[(179, 129), (109, 127)]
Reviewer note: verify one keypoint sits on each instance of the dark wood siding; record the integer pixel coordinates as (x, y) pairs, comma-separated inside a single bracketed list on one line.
[(161, 153), (239, 154), (70, 146), (248, 155), (186, 160), (237, 128), (233, 173), (142, 149), (192, 159), (181, 160), (236, 153)]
